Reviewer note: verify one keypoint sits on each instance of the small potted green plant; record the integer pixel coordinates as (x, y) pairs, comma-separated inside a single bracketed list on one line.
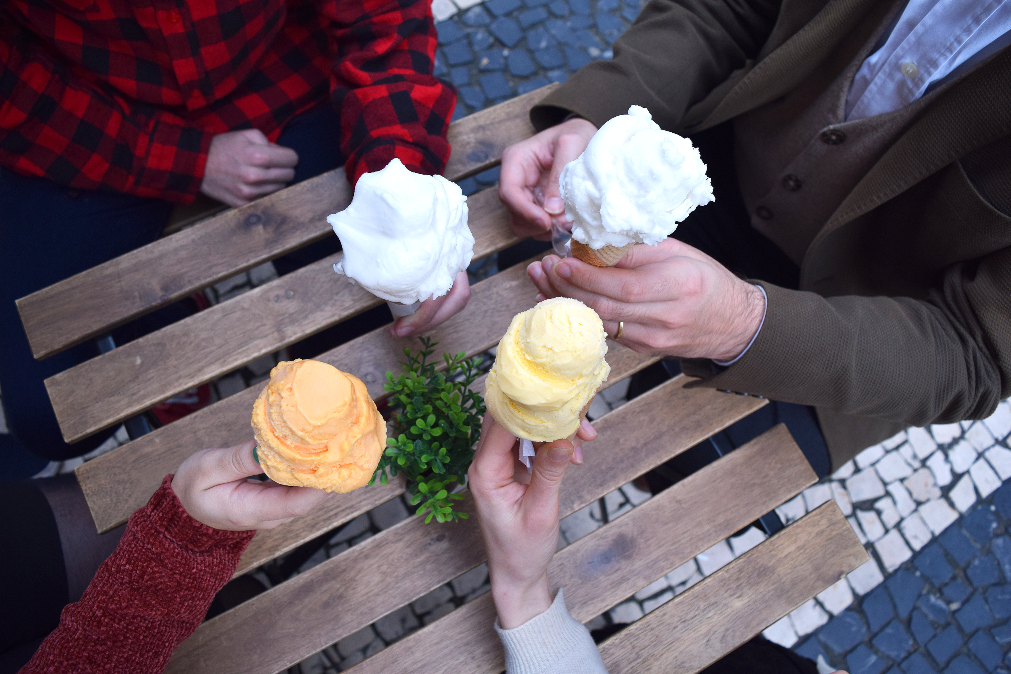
[(436, 424)]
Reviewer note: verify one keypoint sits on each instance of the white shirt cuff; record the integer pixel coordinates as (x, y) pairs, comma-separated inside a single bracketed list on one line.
[(765, 307)]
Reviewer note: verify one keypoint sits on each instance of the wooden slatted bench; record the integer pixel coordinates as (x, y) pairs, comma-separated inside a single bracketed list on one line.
[(316, 608)]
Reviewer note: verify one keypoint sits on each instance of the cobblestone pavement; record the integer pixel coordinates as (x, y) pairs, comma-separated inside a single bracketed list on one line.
[(933, 506)]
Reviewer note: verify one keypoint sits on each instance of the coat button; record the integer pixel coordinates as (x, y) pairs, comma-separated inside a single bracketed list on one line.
[(833, 137), (763, 212), (792, 183)]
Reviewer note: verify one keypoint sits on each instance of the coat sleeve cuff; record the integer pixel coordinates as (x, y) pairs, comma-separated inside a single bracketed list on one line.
[(549, 640), (164, 513)]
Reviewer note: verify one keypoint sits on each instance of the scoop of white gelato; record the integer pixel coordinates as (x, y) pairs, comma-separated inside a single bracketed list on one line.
[(405, 235), (633, 184)]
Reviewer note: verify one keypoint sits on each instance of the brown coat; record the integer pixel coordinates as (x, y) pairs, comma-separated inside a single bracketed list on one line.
[(904, 312)]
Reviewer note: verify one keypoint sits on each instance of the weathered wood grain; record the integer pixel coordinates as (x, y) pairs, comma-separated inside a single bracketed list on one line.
[(106, 296), (730, 607), (105, 390), (117, 483), (422, 557), (612, 563)]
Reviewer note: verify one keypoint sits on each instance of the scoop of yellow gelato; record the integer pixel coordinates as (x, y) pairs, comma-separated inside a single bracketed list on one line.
[(548, 366), (316, 426)]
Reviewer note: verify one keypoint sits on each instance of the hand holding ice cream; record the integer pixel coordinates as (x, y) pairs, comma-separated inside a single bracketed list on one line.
[(405, 237), (548, 367), (316, 426), (633, 184)]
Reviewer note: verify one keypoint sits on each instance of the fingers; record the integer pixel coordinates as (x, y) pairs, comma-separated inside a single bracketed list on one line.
[(268, 503), (586, 431), (567, 148), (434, 312), (275, 156), (518, 179), (549, 467)]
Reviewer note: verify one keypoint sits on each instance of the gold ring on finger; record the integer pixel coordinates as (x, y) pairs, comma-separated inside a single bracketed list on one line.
[(621, 329)]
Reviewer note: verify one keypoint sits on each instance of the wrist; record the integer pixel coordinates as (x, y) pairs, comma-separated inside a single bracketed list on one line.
[(748, 313), (516, 603)]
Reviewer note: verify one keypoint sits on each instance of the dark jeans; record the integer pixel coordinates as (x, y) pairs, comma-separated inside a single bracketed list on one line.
[(49, 232), (722, 230)]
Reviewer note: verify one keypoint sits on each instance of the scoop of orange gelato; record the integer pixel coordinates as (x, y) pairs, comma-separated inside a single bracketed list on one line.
[(316, 426)]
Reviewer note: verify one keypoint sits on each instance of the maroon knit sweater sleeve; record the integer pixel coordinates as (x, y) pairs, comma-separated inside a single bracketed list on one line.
[(151, 593)]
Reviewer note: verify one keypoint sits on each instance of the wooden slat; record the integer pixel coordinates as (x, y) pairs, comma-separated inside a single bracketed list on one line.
[(105, 390), (730, 607), (610, 564), (421, 557), (117, 483), (94, 301)]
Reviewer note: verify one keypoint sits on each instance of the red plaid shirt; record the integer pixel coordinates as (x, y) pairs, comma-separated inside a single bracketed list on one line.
[(127, 94)]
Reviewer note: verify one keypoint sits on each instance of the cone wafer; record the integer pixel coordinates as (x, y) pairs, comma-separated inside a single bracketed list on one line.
[(608, 256)]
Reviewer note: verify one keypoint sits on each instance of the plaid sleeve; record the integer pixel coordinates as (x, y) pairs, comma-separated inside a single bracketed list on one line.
[(58, 125), (389, 102)]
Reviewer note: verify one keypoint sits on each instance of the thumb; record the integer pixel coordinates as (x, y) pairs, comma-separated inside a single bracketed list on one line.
[(234, 463), (549, 467)]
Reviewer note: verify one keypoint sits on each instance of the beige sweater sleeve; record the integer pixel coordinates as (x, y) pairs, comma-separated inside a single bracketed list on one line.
[(551, 643)]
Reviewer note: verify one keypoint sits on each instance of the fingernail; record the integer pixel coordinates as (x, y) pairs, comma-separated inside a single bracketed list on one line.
[(578, 456), (540, 297), (554, 205), (560, 454), (563, 270), (405, 331), (588, 428), (535, 271)]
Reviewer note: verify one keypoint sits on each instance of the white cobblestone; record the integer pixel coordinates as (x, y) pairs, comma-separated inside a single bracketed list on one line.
[(963, 494), (945, 433), (916, 531), (894, 441), (844, 471), (657, 602), (653, 588), (865, 486), (961, 456), (893, 550), (888, 512), (842, 499), (921, 486), (904, 502), (581, 522), (682, 573), (893, 467), (616, 392), (627, 612), (598, 408), (871, 524), (681, 587), (835, 598), (1000, 459), (938, 515), (869, 456), (979, 436), (921, 441), (792, 510), (865, 577), (264, 273), (751, 537), (808, 617), (986, 480), (940, 467), (781, 632), (999, 423), (714, 558), (817, 495), (443, 9), (907, 453)]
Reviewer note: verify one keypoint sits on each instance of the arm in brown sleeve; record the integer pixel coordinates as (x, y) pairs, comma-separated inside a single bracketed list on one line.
[(675, 53)]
